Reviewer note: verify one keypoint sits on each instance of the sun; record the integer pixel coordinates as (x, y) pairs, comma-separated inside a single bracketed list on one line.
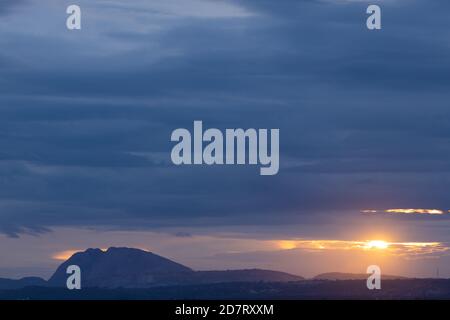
[(377, 244), (287, 245)]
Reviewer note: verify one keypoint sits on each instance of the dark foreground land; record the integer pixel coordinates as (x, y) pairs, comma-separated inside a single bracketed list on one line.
[(308, 289)]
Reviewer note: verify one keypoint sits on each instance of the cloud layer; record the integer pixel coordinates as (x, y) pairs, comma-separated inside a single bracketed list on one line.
[(86, 117)]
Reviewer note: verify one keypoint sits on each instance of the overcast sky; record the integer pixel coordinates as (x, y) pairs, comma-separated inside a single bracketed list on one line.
[(86, 118)]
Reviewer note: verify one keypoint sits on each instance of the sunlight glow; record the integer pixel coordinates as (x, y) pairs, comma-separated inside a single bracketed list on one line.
[(417, 211), (64, 255), (407, 211), (394, 248), (377, 244), (287, 245)]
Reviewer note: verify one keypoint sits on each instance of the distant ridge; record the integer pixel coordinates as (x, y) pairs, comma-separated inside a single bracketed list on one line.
[(135, 268), (126, 273), (246, 275), (352, 276), (11, 284)]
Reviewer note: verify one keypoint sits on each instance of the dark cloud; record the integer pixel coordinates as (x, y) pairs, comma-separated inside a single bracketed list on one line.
[(364, 118), (7, 5)]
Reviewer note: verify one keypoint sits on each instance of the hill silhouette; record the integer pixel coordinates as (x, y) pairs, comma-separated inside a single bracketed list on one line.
[(127, 273), (411, 289), (10, 284), (352, 276), (135, 268)]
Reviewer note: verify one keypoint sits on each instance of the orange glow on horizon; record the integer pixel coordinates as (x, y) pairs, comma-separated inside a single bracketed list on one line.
[(395, 248), (377, 244), (287, 245), (66, 254)]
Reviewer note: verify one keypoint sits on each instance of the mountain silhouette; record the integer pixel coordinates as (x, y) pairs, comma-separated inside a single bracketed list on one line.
[(135, 268), (352, 276), (121, 267), (11, 284), (246, 275)]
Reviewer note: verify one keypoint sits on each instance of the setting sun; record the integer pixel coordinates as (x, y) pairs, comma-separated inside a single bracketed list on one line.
[(377, 244), (287, 245)]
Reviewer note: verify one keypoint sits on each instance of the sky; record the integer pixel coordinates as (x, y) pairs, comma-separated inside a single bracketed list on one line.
[(86, 118)]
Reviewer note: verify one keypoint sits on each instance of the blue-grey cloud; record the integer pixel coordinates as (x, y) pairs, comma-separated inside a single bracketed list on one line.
[(7, 5), (85, 117)]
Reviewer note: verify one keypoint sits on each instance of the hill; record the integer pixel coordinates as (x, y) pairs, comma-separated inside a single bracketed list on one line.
[(10, 284), (352, 276), (135, 268)]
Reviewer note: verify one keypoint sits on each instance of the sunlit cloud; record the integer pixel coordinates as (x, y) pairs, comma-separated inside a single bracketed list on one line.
[(287, 245), (396, 248), (417, 211), (407, 211)]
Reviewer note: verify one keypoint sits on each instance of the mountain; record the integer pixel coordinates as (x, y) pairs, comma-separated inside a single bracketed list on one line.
[(352, 276), (121, 267), (134, 268), (247, 275), (10, 284)]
